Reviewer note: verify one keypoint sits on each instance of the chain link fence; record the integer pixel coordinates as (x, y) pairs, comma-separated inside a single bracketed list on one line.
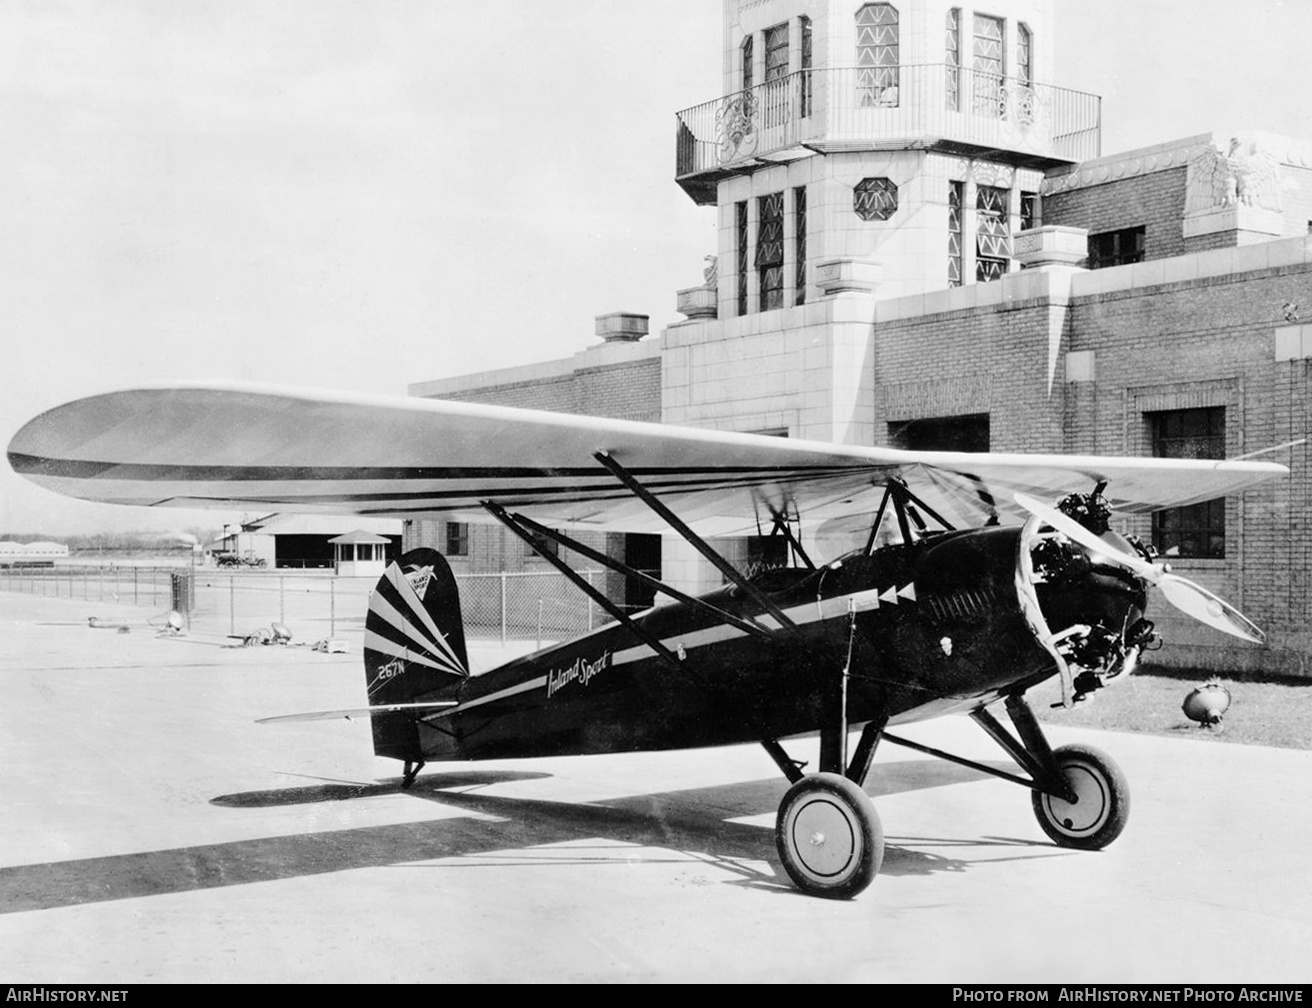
[(505, 606)]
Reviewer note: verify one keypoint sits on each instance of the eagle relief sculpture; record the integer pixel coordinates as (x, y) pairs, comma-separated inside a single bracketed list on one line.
[(1243, 175)]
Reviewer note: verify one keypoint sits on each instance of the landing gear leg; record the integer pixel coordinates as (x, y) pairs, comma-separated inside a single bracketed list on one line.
[(1101, 802), (409, 774), (1081, 798), (827, 832)]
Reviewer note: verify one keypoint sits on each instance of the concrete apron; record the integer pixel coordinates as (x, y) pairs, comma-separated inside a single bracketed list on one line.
[(153, 832)]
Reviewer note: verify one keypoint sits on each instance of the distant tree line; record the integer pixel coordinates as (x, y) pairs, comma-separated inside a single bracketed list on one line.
[(181, 540)]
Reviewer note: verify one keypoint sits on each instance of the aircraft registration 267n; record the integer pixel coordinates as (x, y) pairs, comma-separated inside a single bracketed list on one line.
[(913, 584)]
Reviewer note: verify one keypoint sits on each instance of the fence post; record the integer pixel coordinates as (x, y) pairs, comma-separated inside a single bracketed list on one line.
[(539, 625), (503, 609), (332, 607), (232, 604), (282, 600)]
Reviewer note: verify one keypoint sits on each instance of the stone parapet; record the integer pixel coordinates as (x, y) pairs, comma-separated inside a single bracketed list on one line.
[(1236, 218), (837, 276), (1051, 246)]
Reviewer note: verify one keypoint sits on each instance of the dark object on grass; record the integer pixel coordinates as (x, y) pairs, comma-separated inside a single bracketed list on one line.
[(1207, 704)]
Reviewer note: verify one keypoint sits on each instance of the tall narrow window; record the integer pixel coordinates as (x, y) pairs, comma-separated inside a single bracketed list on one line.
[(776, 52), (955, 196), (1031, 215), (877, 55), (775, 95), (988, 66), (993, 232), (952, 58), (804, 90), (1197, 530), (740, 235), (799, 270), (1025, 55), (748, 51), (770, 250)]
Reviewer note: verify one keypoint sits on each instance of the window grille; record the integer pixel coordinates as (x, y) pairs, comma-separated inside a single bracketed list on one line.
[(770, 250), (1196, 530), (878, 48), (993, 232)]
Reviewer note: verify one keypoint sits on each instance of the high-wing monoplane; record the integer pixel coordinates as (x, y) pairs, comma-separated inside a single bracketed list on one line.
[(974, 578)]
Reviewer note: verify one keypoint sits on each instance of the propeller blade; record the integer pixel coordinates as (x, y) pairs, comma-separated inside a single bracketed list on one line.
[(1196, 601), (1076, 532), (1190, 598)]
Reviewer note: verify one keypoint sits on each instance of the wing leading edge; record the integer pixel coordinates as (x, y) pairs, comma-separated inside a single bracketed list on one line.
[(295, 450)]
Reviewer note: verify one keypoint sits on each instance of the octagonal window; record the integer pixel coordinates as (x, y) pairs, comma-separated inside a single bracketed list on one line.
[(875, 199)]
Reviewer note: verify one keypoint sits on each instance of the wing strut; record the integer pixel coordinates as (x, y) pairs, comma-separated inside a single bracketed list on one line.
[(781, 526), (653, 642), (905, 505), (723, 615), (693, 539)]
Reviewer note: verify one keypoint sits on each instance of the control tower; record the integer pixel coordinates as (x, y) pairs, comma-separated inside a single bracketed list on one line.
[(889, 146)]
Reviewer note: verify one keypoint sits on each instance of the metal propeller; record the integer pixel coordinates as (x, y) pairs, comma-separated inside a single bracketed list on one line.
[(1190, 598)]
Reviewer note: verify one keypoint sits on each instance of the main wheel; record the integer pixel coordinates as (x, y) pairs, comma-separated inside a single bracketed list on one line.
[(1102, 800), (829, 837)]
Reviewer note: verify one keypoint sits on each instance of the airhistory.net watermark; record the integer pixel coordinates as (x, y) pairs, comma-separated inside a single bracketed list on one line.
[(1136, 995)]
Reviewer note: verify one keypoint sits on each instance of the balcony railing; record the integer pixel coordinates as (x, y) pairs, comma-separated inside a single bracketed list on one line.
[(933, 105)]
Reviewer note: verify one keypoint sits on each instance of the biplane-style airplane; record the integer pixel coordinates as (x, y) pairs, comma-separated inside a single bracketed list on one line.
[(941, 605)]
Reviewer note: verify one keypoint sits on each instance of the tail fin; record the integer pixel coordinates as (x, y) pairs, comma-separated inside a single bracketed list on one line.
[(414, 645)]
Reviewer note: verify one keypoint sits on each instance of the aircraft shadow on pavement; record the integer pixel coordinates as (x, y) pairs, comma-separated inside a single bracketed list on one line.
[(341, 791), (696, 823)]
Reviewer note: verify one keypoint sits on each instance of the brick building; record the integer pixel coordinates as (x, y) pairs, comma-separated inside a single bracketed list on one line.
[(920, 244)]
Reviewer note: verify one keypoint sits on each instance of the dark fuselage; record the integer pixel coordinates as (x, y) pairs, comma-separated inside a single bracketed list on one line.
[(929, 627)]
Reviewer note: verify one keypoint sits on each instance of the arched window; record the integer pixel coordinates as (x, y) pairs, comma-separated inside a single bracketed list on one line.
[(748, 57), (1024, 54), (877, 55), (776, 97), (776, 52)]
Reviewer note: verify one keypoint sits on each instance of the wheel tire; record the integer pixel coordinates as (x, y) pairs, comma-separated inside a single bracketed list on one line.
[(1102, 803), (829, 837)]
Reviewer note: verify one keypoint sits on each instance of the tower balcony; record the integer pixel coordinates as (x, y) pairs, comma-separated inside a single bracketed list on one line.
[(926, 107)]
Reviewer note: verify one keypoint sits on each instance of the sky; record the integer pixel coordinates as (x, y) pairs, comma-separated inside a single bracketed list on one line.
[(362, 195)]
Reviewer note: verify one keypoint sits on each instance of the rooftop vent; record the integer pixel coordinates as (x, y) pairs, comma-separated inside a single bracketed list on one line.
[(622, 327)]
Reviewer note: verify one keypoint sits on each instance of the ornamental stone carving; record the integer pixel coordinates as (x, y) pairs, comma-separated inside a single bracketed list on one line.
[(1242, 175)]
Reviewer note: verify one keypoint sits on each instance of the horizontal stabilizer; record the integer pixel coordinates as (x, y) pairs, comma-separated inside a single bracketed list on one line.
[(359, 712)]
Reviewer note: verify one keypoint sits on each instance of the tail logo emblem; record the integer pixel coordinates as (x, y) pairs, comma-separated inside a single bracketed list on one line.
[(419, 579)]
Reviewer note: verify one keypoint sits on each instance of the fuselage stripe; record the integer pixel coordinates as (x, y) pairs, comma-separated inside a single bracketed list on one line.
[(806, 613)]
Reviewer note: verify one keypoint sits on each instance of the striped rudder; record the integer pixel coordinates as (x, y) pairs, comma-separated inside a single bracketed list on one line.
[(414, 644)]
